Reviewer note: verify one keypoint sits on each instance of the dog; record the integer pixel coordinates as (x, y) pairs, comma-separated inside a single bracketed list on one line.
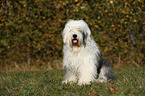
[(82, 61)]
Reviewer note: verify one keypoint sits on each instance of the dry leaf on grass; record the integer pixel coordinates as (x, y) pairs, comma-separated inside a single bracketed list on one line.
[(90, 94), (112, 89)]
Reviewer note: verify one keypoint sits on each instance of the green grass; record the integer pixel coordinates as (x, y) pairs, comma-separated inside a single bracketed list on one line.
[(131, 81)]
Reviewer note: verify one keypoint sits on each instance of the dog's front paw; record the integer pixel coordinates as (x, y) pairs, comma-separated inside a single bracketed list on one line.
[(64, 82), (84, 83), (101, 80)]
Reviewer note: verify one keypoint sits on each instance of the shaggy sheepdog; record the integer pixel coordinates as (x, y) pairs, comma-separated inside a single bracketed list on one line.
[(82, 60)]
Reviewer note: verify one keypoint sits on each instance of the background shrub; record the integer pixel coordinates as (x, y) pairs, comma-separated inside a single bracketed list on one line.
[(30, 30)]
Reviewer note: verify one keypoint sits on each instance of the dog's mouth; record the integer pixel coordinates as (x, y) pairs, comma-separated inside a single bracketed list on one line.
[(75, 42)]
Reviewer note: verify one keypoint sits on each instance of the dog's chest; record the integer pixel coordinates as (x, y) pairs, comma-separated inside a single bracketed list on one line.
[(80, 58)]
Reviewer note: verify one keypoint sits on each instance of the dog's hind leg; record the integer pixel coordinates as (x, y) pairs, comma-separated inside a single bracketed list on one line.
[(106, 72)]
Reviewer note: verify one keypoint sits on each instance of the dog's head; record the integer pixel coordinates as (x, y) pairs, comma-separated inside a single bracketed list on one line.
[(76, 33)]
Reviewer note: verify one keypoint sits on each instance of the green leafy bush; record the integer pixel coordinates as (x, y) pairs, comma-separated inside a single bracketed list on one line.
[(31, 29)]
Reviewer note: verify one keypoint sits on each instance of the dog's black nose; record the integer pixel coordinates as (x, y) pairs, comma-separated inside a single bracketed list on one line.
[(74, 36)]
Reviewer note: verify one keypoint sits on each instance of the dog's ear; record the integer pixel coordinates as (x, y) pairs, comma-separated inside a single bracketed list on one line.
[(87, 34), (65, 34), (87, 31), (84, 38)]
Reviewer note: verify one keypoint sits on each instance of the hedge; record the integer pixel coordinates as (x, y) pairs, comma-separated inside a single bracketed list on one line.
[(30, 30)]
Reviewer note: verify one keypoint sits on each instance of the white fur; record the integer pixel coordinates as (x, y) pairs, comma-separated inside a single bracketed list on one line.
[(80, 63)]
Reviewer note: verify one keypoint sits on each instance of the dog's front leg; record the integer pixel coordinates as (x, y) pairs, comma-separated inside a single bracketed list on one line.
[(69, 77), (85, 77)]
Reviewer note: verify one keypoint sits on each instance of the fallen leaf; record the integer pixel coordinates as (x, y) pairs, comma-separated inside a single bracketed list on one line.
[(90, 94), (112, 89), (16, 88)]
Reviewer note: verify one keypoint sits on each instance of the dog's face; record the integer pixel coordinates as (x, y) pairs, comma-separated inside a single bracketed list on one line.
[(76, 38), (76, 33)]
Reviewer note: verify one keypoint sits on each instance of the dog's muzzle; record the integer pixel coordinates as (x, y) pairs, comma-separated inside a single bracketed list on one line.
[(75, 40)]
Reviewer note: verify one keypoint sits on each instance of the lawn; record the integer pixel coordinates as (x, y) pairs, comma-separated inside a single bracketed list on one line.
[(130, 81)]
